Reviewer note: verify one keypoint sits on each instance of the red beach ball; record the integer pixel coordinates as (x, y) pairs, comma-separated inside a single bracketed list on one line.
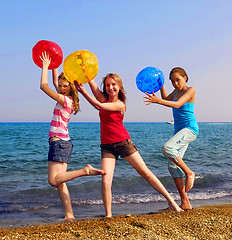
[(54, 51)]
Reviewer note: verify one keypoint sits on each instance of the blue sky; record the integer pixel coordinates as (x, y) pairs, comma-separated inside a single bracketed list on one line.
[(126, 36)]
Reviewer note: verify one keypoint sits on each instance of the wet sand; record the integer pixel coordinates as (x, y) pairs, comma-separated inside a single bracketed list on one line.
[(208, 222)]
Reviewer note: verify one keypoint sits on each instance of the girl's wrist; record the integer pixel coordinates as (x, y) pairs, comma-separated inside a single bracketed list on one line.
[(159, 101)]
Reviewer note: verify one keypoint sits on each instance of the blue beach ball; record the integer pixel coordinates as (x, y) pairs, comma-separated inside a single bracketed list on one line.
[(150, 80)]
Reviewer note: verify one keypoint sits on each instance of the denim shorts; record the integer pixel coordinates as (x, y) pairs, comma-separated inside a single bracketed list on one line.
[(114, 150), (60, 151)]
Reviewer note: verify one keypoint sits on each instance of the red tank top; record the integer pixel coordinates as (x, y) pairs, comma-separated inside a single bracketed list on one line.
[(112, 128)]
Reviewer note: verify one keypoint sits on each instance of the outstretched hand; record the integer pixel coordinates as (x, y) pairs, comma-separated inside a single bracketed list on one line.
[(80, 88), (45, 59), (151, 98)]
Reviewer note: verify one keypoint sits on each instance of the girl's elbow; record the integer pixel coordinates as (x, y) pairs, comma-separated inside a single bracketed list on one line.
[(98, 107), (44, 87), (176, 107)]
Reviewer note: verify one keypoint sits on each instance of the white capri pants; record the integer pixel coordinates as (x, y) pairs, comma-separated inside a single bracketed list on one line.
[(176, 146)]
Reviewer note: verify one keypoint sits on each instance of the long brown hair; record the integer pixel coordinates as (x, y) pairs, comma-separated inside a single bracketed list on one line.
[(73, 94), (118, 80)]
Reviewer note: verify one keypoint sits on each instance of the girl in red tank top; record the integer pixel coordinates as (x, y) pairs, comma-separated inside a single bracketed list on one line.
[(115, 139), (112, 128)]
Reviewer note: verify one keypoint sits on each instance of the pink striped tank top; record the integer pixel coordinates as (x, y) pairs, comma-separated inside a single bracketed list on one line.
[(60, 120)]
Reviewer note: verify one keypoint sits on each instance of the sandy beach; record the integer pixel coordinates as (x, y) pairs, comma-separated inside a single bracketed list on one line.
[(207, 222)]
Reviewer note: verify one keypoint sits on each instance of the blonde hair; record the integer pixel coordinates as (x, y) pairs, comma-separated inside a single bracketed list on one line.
[(73, 94), (118, 80)]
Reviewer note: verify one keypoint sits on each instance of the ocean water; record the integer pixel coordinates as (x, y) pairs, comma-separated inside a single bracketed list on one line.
[(26, 198)]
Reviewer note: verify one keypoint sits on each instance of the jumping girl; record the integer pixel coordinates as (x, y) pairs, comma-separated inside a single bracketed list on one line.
[(59, 140)]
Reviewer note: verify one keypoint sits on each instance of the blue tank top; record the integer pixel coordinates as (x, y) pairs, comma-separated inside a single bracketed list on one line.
[(184, 117)]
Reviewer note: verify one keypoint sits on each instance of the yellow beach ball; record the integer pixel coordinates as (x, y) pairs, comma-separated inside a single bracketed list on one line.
[(81, 66)]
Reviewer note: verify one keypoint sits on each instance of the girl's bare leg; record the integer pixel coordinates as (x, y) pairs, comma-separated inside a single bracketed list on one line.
[(180, 185), (66, 201), (190, 175), (57, 176), (137, 162), (108, 166), (55, 168)]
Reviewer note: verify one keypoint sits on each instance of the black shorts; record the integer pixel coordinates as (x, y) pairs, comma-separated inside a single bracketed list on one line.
[(114, 150)]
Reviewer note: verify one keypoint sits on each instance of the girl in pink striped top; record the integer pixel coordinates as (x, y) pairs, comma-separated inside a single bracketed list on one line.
[(60, 144)]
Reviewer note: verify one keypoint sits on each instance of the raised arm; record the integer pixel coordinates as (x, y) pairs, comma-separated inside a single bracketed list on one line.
[(55, 75), (164, 94), (44, 80), (114, 106), (189, 95), (96, 91)]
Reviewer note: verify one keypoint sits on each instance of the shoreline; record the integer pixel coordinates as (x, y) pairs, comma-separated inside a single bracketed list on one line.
[(40, 216), (205, 222)]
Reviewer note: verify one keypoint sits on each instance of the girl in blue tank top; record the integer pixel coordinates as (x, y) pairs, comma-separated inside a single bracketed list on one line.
[(182, 102)]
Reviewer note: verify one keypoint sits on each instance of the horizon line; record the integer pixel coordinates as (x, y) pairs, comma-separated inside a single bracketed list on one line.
[(123, 122)]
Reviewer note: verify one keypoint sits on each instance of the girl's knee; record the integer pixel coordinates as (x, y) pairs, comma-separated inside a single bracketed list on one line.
[(52, 182), (166, 148), (106, 184)]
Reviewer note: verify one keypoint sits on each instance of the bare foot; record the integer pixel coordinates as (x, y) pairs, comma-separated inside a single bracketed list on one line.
[(186, 205), (175, 206), (66, 219), (89, 170), (189, 181)]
